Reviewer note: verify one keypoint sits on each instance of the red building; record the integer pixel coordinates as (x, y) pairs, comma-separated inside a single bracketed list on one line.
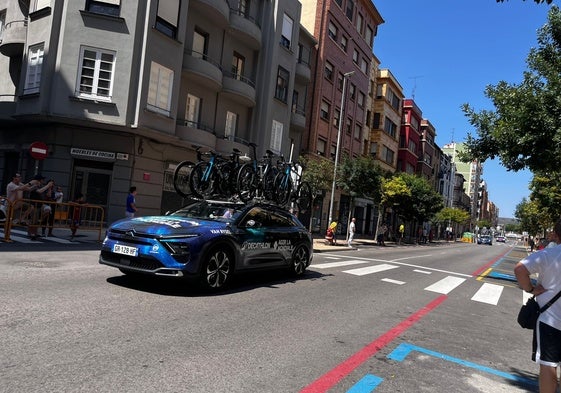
[(410, 138)]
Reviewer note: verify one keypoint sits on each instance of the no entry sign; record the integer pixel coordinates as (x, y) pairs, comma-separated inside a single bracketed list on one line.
[(38, 150)]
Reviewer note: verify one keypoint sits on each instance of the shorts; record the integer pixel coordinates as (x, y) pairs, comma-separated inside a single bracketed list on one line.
[(546, 348)]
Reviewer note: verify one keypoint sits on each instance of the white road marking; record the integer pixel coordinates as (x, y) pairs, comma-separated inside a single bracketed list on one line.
[(488, 293), (421, 271), (393, 281), (445, 285), (339, 264), (370, 269)]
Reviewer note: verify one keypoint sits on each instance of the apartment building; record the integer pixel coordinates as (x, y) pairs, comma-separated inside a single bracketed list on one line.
[(119, 92), (345, 31), (384, 125), (410, 137)]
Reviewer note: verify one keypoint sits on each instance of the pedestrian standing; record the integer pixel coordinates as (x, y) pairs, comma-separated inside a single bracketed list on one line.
[(546, 345), (352, 230), (131, 203), (401, 232)]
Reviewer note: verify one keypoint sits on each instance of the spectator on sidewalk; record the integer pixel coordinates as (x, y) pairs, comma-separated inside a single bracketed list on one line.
[(352, 230), (76, 213), (131, 203), (330, 235)]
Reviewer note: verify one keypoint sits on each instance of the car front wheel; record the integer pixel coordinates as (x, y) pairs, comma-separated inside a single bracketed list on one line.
[(217, 269), (300, 259)]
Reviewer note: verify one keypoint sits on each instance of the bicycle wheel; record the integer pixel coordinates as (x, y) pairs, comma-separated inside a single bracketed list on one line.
[(181, 178), (268, 185), (226, 179), (304, 197), (246, 183), (283, 188), (202, 183)]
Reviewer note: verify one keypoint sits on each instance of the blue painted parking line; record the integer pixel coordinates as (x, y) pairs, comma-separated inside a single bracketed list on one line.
[(401, 352), (366, 385), (502, 276)]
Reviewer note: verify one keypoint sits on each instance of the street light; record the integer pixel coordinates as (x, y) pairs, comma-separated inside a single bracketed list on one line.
[(341, 120)]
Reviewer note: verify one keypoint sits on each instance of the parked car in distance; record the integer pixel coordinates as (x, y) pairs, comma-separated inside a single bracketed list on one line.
[(485, 239), (209, 241), (500, 239)]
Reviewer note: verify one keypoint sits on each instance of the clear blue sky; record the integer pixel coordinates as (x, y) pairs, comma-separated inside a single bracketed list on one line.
[(445, 52)]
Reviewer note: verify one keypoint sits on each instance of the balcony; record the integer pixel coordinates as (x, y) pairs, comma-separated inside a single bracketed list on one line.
[(298, 117), (12, 38), (207, 71), (303, 72), (218, 11), (195, 133), (239, 88), (226, 144), (245, 28)]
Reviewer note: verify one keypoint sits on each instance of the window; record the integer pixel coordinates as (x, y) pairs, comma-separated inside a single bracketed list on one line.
[(321, 147), (387, 155), (376, 120), (344, 43), (107, 7), (281, 92), (339, 2), (34, 66), (349, 125), (350, 9), (328, 71), (167, 17), (95, 78), (361, 98), (390, 128), (412, 146), (336, 117), (340, 79), (193, 110), (159, 89), (355, 56), (358, 131), (324, 110), (359, 21), (364, 66), (276, 136), (393, 99), (200, 44), (231, 124), (369, 35), (373, 149), (286, 37), (37, 5), (379, 91), (352, 91), (332, 31), (414, 123), (238, 62)]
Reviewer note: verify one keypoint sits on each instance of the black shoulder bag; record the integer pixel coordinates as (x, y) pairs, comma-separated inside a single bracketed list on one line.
[(529, 312)]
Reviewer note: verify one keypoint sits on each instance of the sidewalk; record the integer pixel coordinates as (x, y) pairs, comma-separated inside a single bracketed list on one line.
[(320, 245)]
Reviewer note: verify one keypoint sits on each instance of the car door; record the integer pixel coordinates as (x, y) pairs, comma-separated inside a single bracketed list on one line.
[(254, 238)]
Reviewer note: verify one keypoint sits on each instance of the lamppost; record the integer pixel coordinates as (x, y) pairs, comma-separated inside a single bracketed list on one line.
[(341, 120)]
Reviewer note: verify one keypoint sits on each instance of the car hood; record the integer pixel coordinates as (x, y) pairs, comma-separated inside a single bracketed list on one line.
[(167, 225)]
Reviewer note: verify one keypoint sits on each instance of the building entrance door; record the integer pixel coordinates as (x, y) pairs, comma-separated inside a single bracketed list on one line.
[(93, 183)]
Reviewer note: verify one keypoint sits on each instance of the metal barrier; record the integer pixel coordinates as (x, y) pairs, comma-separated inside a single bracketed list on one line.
[(50, 215)]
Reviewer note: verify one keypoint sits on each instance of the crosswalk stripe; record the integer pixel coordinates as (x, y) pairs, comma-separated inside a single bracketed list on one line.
[(391, 281), (339, 264), (488, 293), (421, 271), (371, 269), (445, 285)]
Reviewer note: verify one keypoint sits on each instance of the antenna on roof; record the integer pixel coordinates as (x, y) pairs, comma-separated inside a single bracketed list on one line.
[(414, 84)]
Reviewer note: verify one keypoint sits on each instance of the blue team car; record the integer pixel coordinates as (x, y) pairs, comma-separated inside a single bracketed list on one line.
[(209, 241)]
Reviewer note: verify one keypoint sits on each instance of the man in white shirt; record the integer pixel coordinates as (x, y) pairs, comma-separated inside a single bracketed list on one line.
[(14, 194), (352, 230)]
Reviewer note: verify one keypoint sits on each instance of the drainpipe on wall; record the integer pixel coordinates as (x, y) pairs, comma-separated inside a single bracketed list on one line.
[(142, 61)]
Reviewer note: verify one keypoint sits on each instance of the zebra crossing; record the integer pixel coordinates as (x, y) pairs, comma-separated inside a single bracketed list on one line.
[(488, 293)]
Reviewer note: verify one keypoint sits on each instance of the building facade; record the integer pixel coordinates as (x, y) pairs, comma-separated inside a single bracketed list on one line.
[(120, 92)]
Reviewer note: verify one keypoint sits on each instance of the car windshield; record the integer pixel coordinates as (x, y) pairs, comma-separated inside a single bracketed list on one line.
[(207, 210)]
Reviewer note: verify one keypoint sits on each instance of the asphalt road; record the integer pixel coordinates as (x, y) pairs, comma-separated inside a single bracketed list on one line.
[(396, 319)]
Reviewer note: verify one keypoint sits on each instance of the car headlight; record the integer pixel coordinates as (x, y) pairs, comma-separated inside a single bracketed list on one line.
[(178, 247)]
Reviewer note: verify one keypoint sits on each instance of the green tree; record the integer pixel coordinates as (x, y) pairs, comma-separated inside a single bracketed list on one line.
[(531, 217), (523, 130), (452, 215), (423, 203), (318, 172), (546, 193)]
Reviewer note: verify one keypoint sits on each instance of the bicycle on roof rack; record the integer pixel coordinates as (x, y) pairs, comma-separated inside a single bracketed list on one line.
[(289, 187), (256, 178)]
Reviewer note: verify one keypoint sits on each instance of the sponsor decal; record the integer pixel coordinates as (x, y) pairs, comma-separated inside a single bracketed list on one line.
[(255, 245), (283, 245), (220, 232), (174, 223), (155, 248)]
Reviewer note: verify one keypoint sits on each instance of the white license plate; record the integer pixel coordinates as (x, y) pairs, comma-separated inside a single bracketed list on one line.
[(125, 250)]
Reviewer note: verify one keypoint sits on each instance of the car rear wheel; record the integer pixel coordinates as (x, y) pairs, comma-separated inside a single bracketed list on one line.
[(217, 269), (300, 258)]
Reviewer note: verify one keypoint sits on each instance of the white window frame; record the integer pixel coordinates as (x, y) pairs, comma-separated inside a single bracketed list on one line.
[(34, 67), (231, 125), (39, 4), (276, 136), (97, 70), (160, 89)]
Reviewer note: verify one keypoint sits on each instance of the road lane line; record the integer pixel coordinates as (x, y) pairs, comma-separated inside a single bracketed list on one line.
[(341, 371), (446, 285), (391, 281), (488, 293), (370, 269)]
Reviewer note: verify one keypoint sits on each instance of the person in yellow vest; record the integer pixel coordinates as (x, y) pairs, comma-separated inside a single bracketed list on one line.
[(401, 232)]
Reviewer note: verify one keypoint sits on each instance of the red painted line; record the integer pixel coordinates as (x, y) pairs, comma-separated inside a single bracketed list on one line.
[(485, 267), (333, 377)]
